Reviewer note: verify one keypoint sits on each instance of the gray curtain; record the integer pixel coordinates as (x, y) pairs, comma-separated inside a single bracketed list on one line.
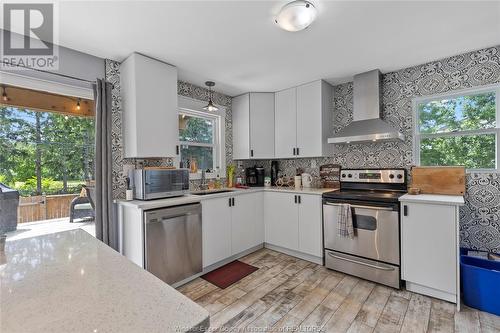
[(105, 223)]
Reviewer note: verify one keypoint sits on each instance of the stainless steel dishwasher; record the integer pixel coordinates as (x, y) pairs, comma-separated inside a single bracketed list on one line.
[(172, 242)]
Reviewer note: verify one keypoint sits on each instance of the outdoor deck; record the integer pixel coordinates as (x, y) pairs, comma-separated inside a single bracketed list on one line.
[(33, 229)]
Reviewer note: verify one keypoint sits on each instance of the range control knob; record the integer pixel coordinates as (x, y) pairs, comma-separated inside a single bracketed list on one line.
[(349, 175), (391, 176), (400, 176), (343, 175)]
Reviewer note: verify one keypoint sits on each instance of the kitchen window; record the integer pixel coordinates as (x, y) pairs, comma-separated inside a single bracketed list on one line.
[(458, 129), (200, 138)]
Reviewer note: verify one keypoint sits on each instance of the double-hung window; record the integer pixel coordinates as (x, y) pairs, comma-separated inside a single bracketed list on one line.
[(200, 138), (459, 129)]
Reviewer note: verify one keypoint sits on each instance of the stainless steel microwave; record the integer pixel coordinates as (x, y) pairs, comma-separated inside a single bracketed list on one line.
[(149, 184)]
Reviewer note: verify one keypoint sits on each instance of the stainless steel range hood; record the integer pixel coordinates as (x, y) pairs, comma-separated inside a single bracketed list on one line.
[(367, 125)]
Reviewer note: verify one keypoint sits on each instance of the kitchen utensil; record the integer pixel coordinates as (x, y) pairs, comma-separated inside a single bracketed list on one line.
[(298, 182), (439, 180), (306, 180)]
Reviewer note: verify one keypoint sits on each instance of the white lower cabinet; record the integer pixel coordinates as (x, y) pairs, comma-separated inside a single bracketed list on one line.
[(429, 249), (234, 224), (216, 230), (244, 223), (281, 219), (293, 221), (310, 225), (231, 225)]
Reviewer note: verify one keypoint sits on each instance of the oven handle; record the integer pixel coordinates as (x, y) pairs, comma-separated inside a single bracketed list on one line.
[(361, 263), (358, 206)]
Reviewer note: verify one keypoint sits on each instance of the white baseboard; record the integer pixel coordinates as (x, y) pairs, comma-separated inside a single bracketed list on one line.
[(300, 255), (419, 289)]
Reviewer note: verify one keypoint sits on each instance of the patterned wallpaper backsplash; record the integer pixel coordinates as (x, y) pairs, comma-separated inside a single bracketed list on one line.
[(480, 217), (121, 165)]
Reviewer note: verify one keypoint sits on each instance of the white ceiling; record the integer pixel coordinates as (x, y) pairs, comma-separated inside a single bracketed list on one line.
[(237, 45)]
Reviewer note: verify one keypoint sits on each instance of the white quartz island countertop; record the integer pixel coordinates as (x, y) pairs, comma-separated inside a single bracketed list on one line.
[(71, 282)]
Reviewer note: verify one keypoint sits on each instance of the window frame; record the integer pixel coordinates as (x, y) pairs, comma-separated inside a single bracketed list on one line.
[(192, 107), (417, 136)]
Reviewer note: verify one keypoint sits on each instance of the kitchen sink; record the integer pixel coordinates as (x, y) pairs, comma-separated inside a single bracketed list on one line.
[(210, 192)]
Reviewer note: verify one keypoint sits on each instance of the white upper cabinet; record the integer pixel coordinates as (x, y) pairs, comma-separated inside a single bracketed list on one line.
[(314, 119), (253, 126), (285, 129), (303, 120), (149, 100)]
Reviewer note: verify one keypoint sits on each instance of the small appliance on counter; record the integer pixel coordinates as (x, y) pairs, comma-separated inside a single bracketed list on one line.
[(274, 172), (255, 176), (159, 183)]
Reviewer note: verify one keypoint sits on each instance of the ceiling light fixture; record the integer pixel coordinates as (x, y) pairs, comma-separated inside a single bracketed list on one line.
[(210, 106), (4, 95), (296, 15)]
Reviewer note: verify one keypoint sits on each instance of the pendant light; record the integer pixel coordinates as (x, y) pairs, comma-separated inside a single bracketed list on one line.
[(296, 15), (210, 106)]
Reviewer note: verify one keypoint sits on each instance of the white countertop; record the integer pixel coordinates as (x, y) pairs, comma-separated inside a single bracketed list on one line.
[(192, 198), (437, 199), (71, 282)]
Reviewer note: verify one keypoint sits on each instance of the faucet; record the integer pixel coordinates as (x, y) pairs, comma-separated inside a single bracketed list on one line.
[(203, 182)]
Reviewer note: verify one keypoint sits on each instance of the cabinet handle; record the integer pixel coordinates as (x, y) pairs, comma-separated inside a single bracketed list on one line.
[(300, 199), (405, 210), (298, 151), (229, 202), (295, 198), (232, 201), (251, 152), (177, 149), (293, 151)]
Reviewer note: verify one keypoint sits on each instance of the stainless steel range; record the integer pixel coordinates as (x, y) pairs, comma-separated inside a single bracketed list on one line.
[(374, 251)]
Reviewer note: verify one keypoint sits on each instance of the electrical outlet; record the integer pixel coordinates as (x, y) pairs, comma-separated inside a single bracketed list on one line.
[(313, 164)]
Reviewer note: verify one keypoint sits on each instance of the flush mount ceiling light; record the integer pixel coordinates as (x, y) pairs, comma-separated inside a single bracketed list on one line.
[(210, 106), (296, 15)]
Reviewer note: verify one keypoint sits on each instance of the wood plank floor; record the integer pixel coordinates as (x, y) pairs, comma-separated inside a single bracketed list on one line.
[(288, 294)]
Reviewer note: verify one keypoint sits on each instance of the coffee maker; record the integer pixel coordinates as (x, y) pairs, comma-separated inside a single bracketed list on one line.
[(255, 176)]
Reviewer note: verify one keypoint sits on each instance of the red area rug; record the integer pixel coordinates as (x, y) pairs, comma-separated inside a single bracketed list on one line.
[(228, 274)]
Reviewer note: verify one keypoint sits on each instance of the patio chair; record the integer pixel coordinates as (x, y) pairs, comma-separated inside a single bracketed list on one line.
[(82, 207)]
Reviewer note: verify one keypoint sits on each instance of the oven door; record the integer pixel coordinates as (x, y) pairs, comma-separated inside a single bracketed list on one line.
[(376, 230)]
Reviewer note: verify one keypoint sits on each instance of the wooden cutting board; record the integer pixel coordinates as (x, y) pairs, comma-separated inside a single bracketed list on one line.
[(439, 180)]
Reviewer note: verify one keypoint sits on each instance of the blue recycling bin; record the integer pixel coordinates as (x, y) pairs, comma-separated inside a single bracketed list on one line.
[(480, 281)]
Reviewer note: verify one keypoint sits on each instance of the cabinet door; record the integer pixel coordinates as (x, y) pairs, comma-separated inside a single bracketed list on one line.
[(281, 220), (285, 134), (309, 122), (243, 223), (310, 225), (150, 114), (216, 222), (428, 246), (241, 127), (261, 125)]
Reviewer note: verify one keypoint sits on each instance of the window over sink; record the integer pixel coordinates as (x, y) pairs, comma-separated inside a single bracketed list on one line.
[(458, 129), (200, 140)]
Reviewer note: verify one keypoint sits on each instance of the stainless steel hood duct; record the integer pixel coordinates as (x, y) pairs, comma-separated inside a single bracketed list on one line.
[(367, 125)]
